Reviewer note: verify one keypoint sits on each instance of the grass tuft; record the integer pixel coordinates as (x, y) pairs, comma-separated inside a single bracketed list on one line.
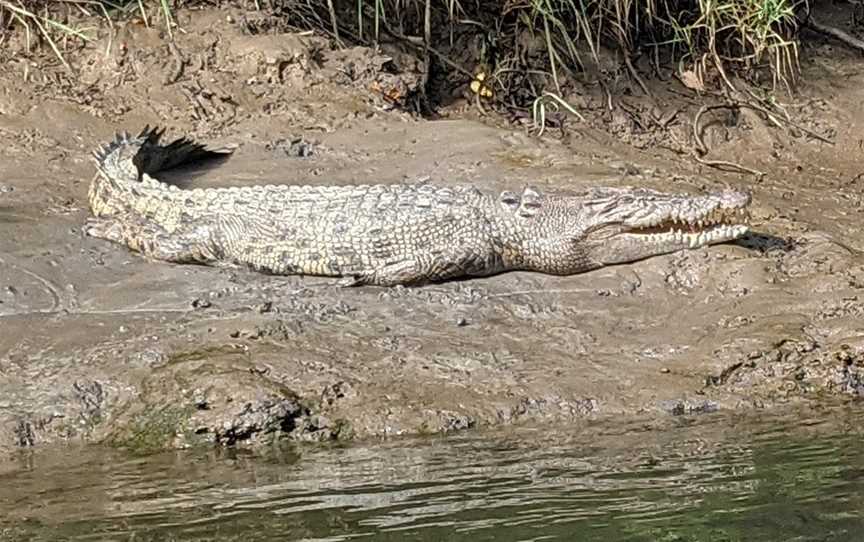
[(47, 26), (51, 21)]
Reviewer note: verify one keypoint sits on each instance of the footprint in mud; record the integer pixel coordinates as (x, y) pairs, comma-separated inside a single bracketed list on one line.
[(25, 292), (819, 254)]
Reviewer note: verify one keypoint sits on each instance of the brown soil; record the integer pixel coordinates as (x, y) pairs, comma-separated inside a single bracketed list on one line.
[(99, 344)]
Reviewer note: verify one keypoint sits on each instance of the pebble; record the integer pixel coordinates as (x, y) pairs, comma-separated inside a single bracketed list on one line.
[(199, 303)]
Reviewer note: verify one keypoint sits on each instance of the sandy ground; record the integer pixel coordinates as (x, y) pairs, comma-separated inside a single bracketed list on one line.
[(101, 345)]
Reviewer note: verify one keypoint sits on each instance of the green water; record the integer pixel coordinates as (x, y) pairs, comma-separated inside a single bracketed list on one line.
[(796, 476)]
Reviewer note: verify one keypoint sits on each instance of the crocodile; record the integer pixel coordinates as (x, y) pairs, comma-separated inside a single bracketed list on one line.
[(387, 235)]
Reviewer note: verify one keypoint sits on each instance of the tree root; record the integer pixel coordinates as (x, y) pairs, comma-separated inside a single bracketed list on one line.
[(835, 33)]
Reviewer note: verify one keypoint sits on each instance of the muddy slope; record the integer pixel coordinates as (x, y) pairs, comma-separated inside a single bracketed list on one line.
[(101, 345)]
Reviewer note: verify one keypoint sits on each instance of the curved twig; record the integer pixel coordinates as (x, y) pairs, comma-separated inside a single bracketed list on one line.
[(723, 164), (701, 149), (697, 136), (538, 109)]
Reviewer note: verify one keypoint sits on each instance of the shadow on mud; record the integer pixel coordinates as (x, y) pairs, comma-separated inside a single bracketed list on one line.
[(765, 242), (184, 175)]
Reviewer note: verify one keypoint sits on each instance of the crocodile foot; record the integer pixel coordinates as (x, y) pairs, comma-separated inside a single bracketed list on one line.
[(104, 228)]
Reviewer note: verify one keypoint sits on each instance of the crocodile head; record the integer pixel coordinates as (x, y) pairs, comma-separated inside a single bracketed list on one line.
[(632, 224), (607, 226)]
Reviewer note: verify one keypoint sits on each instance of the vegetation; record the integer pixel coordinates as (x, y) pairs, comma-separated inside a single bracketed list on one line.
[(698, 34), (53, 21)]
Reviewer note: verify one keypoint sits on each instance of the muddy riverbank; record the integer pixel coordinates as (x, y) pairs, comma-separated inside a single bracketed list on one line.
[(100, 345)]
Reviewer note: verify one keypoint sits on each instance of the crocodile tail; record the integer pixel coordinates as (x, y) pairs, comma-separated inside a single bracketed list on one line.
[(115, 160), (154, 157), (126, 159)]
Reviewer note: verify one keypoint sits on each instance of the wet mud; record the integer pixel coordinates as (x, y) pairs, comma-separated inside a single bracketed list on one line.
[(101, 345)]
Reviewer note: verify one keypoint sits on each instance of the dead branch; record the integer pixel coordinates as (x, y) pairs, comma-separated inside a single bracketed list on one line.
[(835, 33), (179, 63), (635, 75), (333, 21), (788, 121)]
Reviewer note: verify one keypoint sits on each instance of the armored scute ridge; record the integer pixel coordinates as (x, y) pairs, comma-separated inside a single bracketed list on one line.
[(389, 234)]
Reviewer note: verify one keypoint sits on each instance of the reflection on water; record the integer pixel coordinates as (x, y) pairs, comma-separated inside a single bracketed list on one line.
[(710, 478)]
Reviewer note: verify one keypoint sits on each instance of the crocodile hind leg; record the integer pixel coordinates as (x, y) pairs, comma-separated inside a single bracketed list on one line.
[(393, 274), (434, 267), (185, 245)]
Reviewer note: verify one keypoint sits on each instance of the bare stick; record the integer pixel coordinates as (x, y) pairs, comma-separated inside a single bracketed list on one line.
[(835, 33), (179, 62), (636, 76), (786, 119), (427, 41), (333, 19)]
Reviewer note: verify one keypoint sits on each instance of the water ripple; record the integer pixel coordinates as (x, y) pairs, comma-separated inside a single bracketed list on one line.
[(709, 478)]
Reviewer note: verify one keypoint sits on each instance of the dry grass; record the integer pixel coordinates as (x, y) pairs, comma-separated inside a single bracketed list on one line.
[(53, 22), (40, 22), (698, 35)]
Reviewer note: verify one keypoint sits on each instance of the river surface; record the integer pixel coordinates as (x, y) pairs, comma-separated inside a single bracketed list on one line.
[(717, 477)]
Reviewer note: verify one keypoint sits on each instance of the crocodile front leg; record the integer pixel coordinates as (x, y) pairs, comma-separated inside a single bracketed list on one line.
[(184, 245)]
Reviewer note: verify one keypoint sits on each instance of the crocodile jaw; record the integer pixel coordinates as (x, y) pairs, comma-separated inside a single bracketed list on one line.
[(677, 223), (678, 239)]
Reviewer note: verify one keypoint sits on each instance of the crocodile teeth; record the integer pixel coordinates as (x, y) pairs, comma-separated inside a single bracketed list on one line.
[(712, 234)]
